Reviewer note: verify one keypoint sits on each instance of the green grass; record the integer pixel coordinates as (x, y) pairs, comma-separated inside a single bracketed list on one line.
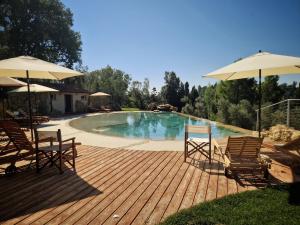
[(273, 205), (130, 109)]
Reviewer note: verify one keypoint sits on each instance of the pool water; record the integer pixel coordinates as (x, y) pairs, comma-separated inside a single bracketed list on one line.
[(145, 125)]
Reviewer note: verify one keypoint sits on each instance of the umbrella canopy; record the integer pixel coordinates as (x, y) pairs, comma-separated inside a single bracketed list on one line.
[(34, 88), (258, 65), (37, 68), (30, 67), (269, 64), (11, 82), (99, 94)]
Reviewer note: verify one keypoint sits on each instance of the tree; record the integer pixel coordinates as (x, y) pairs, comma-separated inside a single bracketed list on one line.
[(112, 81), (135, 95), (39, 28), (170, 91), (186, 89), (236, 90), (193, 95), (210, 101), (271, 92)]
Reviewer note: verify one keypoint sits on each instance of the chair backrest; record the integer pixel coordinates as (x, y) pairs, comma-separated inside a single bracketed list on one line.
[(54, 135), (198, 129), (16, 135), (243, 147)]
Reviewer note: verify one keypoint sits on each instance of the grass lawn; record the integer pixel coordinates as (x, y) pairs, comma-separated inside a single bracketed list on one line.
[(130, 109), (273, 205)]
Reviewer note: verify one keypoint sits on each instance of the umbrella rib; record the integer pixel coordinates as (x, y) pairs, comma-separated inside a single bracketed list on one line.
[(230, 75)]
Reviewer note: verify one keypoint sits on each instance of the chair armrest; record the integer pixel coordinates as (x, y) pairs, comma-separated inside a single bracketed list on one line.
[(218, 147), (69, 139)]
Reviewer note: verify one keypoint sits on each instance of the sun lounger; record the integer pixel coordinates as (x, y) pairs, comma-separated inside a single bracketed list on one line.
[(242, 154), (22, 148), (35, 119)]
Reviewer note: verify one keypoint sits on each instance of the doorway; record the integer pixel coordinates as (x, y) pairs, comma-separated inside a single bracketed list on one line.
[(68, 103)]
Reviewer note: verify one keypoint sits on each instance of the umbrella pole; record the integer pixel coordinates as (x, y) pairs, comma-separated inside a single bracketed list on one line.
[(259, 105), (29, 104)]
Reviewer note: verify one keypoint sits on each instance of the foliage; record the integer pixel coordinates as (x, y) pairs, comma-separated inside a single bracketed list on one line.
[(40, 28), (250, 207), (139, 95), (112, 81), (173, 90), (271, 92)]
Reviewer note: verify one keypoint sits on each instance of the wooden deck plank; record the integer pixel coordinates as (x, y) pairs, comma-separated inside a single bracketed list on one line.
[(19, 181), (142, 197), (212, 186), (32, 178), (180, 192), (44, 216), (144, 210), (132, 171), (73, 181), (222, 182), (189, 196), (61, 213), (164, 201), (140, 187), (131, 194), (203, 183), (38, 190), (40, 180), (123, 190)]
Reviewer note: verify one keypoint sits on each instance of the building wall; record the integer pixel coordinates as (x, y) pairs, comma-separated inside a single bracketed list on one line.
[(79, 102)]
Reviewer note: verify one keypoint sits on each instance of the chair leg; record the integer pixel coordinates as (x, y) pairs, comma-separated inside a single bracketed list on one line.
[(37, 160), (60, 162), (209, 152), (185, 152), (51, 156), (73, 157)]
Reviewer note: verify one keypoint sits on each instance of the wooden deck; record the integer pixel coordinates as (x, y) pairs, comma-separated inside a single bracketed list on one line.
[(113, 186)]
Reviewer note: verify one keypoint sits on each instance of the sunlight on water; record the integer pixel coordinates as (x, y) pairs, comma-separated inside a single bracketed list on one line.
[(147, 125)]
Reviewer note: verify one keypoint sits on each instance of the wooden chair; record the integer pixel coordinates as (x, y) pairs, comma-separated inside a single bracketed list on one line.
[(22, 146), (58, 152), (195, 143), (242, 154)]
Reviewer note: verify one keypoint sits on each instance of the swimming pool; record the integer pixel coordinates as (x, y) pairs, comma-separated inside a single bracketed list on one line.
[(145, 125)]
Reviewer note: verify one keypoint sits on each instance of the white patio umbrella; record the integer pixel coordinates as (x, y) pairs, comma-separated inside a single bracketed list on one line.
[(99, 94), (11, 82), (258, 65), (8, 82), (30, 67), (34, 88)]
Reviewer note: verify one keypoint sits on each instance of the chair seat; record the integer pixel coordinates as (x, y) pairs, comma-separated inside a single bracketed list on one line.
[(198, 140), (55, 148)]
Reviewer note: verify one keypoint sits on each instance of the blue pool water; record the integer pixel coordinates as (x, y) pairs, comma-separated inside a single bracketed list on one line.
[(146, 125)]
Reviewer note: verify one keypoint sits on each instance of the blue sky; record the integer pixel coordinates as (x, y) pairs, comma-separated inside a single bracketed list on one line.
[(145, 38)]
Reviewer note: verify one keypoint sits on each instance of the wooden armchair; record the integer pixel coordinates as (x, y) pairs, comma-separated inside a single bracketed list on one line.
[(58, 152), (202, 145)]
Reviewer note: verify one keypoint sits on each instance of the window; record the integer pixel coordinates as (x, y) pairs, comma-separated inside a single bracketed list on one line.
[(83, 97)]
